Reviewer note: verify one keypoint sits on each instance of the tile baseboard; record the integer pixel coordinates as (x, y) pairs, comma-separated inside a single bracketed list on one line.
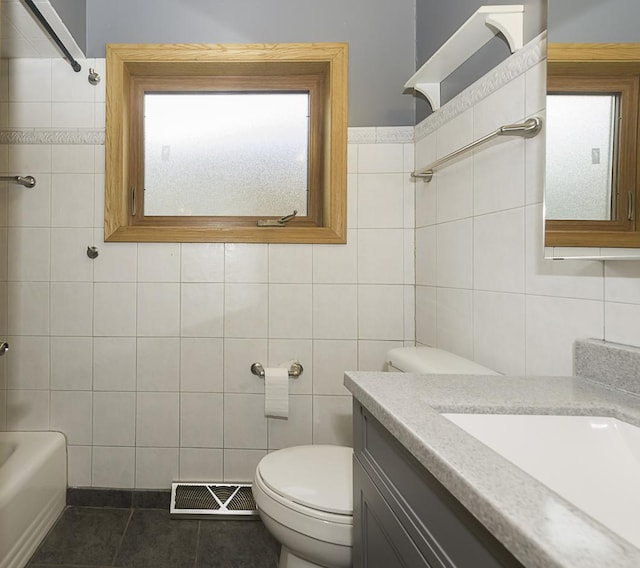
[(118, 498)]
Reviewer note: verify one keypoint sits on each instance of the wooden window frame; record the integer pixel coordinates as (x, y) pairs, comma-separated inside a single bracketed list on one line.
[(604, 68), (134, 69)]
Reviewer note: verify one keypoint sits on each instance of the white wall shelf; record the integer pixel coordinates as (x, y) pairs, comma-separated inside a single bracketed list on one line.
[(469, 38)]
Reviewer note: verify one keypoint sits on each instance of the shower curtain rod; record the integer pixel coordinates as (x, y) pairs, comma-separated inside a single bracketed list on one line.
[(54, 36), (527, 129)]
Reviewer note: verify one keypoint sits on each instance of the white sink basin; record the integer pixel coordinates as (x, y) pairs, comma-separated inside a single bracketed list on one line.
[(591, 461)]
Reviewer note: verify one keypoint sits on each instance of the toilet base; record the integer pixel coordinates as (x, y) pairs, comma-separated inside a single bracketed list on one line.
[(289, 560), (327, 555)]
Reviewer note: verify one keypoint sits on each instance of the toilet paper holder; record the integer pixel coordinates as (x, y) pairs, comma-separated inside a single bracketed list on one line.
[(295, 370)]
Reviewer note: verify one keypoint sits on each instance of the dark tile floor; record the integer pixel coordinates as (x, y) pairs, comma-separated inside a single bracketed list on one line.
[(147, 538)]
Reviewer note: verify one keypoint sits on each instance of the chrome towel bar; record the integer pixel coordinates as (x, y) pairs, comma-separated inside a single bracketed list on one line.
[(27, 181), (295, 370), (527, 129)]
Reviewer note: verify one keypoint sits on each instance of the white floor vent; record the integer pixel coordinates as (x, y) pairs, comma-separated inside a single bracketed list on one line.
[(212, 500)]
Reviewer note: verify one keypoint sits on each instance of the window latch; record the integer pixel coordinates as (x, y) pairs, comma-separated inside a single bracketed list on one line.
[(277, 222), (133, 201)]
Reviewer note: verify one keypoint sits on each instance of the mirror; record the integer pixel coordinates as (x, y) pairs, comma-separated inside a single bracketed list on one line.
[(591, 188), (581, 156)]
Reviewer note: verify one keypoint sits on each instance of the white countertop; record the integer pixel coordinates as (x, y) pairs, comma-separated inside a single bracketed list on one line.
[(536, 525)]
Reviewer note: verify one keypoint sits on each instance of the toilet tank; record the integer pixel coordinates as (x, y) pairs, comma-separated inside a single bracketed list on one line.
[(432, 361)]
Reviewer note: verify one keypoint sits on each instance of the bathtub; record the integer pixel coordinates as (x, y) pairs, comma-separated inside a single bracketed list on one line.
[(33, 485)]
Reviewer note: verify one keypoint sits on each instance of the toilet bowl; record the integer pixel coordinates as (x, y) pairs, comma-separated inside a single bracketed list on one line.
[(304, 494), (305, 500)]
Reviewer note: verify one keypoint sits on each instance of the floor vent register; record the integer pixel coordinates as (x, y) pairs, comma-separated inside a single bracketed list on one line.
[(212, 500)]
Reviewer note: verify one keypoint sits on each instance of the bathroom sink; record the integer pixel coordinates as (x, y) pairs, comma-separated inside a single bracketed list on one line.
[(593, 462)]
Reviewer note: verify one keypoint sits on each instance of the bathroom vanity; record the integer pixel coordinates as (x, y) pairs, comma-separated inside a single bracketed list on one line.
[(404, 516), (427, 493)]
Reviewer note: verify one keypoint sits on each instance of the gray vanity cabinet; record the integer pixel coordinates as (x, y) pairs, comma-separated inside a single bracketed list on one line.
[(404, 517)]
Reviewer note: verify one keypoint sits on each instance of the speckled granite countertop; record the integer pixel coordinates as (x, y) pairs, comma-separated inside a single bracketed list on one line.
[(536, 525)]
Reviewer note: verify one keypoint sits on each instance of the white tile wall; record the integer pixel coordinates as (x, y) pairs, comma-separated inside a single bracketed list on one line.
[(201, 309), (71, 308), (498, 183), (29, 369), (71, 363), (201, 361), (111, 467), (158, 419), (158, 364), (498, 242), (197, 464), (114, 416), (483, 289), (114, 364), (156, 467), (378, 259), (142, 355), (297, 430), (158, 306)]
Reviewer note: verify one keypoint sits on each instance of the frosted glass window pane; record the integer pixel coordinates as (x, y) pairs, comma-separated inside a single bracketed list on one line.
[(581, 154), (226, 154)]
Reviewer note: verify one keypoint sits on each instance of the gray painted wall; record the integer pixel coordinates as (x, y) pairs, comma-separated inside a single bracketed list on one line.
[(74, 15), (436, 21), (381, 36), (594, 21)]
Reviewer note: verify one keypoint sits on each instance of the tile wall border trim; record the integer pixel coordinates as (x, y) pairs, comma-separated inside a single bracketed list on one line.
[(96, 136), (381, 135), (88, 136), (514, 66)]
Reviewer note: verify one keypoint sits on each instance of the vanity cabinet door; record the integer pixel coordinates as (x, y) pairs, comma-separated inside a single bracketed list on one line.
[(380, 540), (430, 520)]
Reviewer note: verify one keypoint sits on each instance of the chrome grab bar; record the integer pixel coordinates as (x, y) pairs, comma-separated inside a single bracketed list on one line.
[(27, 181), (527, 129)]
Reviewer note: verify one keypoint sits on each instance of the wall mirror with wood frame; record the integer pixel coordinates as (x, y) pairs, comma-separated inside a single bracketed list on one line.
[(226, 143), (592, 178)]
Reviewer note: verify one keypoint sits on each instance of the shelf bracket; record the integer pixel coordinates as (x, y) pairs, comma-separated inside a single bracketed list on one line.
[(480, 28), (431, 91), (510, 26)]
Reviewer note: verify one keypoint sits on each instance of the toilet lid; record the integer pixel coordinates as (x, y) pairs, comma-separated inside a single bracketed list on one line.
[(319, 477)]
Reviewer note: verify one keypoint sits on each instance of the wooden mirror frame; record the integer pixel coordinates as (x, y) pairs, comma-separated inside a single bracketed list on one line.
[(589, 67)]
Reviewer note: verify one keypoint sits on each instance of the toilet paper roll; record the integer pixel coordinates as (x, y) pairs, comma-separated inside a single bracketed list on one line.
[(276, 392)]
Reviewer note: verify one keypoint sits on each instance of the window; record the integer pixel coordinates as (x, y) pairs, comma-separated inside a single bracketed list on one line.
[(224, 142)]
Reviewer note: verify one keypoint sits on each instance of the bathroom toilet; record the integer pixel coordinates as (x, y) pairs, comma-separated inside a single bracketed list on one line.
[(305, 499), (432, 361), (304, 494)]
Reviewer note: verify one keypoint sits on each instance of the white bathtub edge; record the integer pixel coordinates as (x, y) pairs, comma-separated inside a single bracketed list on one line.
[(32, 493), (22, 551)]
